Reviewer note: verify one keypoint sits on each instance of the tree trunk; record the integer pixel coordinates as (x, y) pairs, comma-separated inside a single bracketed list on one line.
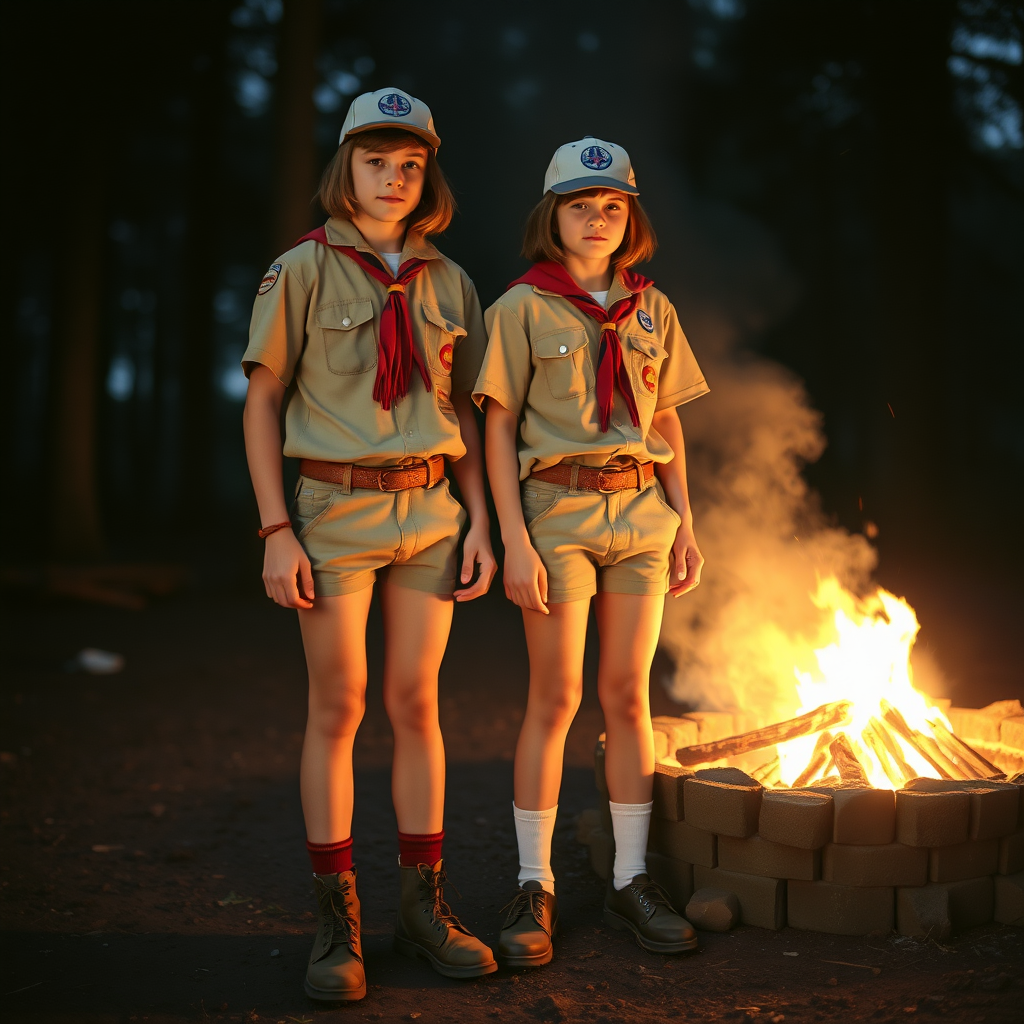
[(297, 169)]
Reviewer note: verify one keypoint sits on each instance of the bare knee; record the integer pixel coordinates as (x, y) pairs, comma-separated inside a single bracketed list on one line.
[(625, 703), (336, 714), (554, 708), (412, 712)]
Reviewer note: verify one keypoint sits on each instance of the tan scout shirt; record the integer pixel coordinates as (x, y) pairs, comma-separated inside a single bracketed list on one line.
[(316, 326), (541, 364)]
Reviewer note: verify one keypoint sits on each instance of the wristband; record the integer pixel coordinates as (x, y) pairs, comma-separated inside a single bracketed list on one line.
[(268, 530)]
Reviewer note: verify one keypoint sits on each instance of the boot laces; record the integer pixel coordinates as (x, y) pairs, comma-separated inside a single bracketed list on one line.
[(525, 901), (436, 880), (651, 895), (334, 904)]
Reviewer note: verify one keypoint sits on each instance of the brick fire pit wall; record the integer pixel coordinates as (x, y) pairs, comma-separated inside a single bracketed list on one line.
[(928, 860)]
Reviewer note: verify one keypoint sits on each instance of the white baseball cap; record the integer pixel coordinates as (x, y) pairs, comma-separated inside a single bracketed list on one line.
[(389, 108), (590, 163)]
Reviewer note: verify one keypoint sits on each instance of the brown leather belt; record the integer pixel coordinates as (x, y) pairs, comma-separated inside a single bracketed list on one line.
[(589, 478), (385, 478)]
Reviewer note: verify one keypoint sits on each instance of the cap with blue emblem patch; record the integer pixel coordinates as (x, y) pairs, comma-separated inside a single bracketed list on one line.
[(590, 163), (389, 108)]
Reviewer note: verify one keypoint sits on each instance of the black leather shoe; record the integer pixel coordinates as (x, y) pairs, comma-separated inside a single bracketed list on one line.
[(644, 909), (531, 920)]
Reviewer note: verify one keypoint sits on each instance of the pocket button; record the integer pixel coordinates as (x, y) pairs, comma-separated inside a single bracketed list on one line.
[(347, 322), (562, 349)]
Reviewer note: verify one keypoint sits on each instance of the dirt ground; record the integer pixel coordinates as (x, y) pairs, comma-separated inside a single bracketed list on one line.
[(153, 866)]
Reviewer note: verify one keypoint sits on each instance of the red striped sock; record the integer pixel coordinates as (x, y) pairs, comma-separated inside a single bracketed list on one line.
[(328, 858), (416, 849)]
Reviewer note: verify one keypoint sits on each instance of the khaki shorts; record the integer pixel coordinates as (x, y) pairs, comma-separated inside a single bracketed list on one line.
[(616, 541), (414, 534)]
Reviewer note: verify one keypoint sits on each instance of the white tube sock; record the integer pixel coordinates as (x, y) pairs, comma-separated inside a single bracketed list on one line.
[(534, 830), (630, 825)]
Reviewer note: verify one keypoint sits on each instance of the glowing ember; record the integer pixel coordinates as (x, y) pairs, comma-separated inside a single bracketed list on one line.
[(869, 665)]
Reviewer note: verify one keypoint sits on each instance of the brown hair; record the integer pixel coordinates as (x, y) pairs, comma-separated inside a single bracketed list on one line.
[(337, 194), (541, 241)]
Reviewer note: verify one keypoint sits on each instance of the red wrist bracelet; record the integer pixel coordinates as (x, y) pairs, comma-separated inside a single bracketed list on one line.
[(268, 530)]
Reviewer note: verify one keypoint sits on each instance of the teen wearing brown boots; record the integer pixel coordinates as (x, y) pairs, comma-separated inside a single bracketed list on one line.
[(382, 337)]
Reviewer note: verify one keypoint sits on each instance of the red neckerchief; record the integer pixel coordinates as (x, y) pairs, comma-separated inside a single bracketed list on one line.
[(396, 353), (611, 370)]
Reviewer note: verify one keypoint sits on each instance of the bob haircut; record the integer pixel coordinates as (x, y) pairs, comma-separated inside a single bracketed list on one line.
[(541, 241), (338, 197)]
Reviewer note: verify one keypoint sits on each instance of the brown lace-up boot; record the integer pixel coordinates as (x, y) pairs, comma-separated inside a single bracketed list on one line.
[(335, 972), (427, 927), (644, 908), (530, 924)]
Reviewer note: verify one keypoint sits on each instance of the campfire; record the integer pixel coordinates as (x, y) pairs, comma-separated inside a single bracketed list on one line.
[(870, 806), (860, 718)]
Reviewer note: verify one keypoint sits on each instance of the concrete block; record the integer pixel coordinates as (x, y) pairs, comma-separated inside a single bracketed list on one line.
[(1009, 899), (893, 864), (758, 856), (668, 791), (923, 912), (602, 853), (599, 778), (674, 876), (862, 817), (762, 900), (932, 819), (660, 746), (713, 910), (1011, 853), (840, 909), (970, 902), (995, 806), (983, 724), (712, 725), (967, 860), (1011, 732), (723, 800), (678, 732), (796, 817), (684, 842)]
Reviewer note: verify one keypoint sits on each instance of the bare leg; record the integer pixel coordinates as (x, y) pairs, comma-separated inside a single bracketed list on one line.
[(555, 643), (416, 628), (629, 626), (334, 638)]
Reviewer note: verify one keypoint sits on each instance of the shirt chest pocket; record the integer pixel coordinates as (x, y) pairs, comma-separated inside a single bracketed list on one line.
[(563, 357), (646, 357), (349, 336), (441, 336)]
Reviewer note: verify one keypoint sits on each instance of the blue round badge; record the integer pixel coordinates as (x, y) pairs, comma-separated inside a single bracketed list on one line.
[(645, 321), (595, 158), (394, 105)]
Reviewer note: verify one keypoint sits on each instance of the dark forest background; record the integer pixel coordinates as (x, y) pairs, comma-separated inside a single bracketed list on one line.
[(844, 179)]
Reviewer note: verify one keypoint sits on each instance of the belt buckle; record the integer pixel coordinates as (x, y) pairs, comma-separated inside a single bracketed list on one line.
[(603, 481), (384, 480)]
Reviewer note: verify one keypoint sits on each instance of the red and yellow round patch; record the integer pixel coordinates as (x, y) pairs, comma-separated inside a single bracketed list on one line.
[(446, 358), (650, 378)]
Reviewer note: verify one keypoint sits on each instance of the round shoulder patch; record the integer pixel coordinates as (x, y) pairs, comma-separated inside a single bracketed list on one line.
[(650, 378), (269, 279), (645, 321), (394, 105), (445, 356), (596, 158)]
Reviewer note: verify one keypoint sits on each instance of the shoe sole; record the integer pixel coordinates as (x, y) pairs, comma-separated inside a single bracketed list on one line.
[(538, 960), (324, 996), (622, 924), (415, 951)]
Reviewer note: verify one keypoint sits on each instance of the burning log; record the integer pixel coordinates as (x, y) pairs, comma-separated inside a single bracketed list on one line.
[(896, 721), (888, 752), (768, 773), (825, 717), (967, 753), (894, 770), (850, 768), (819, 757)]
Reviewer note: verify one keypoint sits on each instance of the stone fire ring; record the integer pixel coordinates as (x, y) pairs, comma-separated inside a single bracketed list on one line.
[(929, 860)]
